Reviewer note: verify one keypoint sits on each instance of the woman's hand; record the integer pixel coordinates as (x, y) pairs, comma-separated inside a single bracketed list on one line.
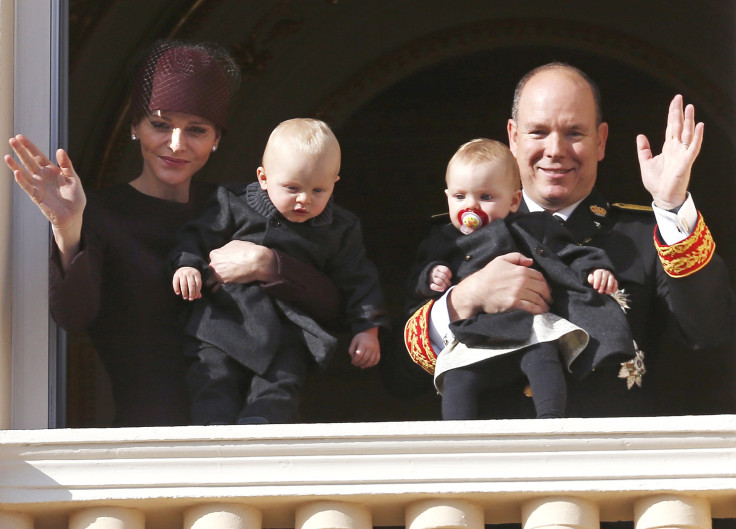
[(242, 262), (56, 190)]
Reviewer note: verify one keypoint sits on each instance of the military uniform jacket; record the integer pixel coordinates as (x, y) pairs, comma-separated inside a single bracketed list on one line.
[(694, 306), (241, 319), (700, 307), (565, 265)]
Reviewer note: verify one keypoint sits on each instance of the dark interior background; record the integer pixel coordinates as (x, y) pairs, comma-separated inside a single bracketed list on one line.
[(404, 83)]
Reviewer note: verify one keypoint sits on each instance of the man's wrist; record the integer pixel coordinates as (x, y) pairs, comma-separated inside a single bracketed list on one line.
[(457, 306), (673, 206), (675, 226)]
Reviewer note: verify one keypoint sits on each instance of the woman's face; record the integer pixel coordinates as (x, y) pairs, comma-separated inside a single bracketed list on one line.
[(174, 146)]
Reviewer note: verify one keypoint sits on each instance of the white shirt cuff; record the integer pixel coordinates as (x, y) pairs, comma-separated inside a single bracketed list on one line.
[(676, 227), (439, 324)]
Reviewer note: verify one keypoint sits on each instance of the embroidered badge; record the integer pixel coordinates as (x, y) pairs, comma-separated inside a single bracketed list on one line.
[(598, 210), (633, 370)]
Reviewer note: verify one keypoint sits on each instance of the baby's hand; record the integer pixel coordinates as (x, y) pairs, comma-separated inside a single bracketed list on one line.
[(440, 278), (365, 349), (188, 283), (603, 281)]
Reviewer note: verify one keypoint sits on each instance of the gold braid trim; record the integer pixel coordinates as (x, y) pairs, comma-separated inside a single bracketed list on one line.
[(416, 338), (688, 256)]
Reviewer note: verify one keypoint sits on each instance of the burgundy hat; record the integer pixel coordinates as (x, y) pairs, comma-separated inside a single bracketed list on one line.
[(193, 78)]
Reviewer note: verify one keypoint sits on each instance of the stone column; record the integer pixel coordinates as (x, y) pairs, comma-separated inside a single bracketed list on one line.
[(672, 511), (444, 514), (333, 515), (222, 516), (560, 513), (15, 520), (107, 518)]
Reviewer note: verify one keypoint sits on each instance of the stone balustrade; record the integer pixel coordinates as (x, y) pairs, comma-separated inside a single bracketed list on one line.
[(663, 472)]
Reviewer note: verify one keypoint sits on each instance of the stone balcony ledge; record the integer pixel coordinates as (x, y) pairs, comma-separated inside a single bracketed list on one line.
[(497, 464)]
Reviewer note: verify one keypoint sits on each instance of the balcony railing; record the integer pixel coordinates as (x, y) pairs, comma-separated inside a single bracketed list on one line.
[(658, 472)]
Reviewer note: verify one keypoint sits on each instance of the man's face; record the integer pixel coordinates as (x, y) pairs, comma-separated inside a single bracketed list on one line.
[(555, 139)]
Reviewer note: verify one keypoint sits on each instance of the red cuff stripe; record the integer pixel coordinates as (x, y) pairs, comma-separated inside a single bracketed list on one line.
[(416, 338), (688, 256)]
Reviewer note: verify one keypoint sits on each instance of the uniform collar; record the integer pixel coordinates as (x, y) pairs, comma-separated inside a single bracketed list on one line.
[(564, 213), (584, 219), (588, 217)]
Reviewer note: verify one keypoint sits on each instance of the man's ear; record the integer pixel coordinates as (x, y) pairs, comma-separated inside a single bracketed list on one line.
[(512, 131), (515, 201), (602, 136), (261, 175)]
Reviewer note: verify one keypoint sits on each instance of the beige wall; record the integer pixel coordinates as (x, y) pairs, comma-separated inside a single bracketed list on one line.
[(6, 207), (26, 54)]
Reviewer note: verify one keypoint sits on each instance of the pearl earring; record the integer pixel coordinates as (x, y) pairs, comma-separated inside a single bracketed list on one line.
[(133, 137), (214, 148)]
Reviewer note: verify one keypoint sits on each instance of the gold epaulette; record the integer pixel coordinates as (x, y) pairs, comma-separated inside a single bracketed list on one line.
[(631, 207), (688, 256), (416, 338)]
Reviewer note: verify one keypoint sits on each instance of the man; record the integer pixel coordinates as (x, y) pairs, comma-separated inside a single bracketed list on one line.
[(558, 137)]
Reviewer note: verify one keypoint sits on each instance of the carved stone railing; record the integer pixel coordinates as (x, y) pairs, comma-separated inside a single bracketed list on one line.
[(658, 472)]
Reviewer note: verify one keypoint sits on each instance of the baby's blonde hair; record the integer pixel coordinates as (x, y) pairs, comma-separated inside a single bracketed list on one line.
[(483, 150), (308, 136)]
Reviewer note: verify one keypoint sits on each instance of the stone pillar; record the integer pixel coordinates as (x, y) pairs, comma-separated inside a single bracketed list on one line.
[(222, 516), (107, 518), (444, 514), (560, 513), (15, 520), (333, 515), (672, 511)]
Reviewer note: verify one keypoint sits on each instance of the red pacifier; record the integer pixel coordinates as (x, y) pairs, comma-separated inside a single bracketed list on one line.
[(471, 219)]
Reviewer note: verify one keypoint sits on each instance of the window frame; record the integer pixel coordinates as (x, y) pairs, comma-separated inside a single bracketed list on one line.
[(39, 108)]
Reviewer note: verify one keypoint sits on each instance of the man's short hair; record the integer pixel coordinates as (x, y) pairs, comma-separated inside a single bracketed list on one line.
[(558, 66), (483, 150)]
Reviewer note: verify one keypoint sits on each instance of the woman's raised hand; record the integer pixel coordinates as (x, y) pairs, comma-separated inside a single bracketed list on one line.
[(56, 190)]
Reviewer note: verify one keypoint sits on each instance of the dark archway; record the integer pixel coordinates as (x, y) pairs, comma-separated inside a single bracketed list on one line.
[(395, 150), (404, 83)]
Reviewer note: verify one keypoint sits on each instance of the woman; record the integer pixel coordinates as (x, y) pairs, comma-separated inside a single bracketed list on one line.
[(107, 271)]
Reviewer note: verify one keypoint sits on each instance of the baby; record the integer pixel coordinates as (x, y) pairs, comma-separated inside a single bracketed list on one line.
[(492, 350), (252, 353)]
